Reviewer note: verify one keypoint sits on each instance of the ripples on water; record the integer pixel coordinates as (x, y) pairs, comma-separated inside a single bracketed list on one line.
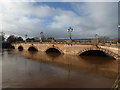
[(23, 69)]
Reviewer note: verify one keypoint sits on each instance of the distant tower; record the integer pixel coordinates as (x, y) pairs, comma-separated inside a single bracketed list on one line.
[(42, 36)]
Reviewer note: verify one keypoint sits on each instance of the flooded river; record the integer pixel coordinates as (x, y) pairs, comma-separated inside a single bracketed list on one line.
[(24, 69)]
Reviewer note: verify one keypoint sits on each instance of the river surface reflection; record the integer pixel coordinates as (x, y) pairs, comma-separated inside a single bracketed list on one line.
[(23, 69)]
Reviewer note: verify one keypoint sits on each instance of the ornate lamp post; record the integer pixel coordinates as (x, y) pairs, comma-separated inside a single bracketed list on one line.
[(26, 37), (70, 30), (41, 34), (96, 36), (96, 40), (70, 40)]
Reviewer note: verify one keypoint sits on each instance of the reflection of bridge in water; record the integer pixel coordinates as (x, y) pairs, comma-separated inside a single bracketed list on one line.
[(74, 47)]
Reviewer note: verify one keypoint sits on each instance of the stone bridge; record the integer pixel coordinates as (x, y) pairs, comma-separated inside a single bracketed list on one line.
[(69, 49)]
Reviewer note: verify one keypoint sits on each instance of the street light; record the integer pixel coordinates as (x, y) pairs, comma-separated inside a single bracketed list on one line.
[(26, 37), (41, 35), (96, 41), (96, 36), (70, 30)]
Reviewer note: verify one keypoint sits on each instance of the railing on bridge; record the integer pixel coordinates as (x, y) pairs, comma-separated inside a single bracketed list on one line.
[(104, 42)]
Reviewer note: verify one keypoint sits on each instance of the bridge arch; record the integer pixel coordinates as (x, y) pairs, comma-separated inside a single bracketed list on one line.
[(32, 48), (54, 49), (99, 50), (12, 47), (20, 48)]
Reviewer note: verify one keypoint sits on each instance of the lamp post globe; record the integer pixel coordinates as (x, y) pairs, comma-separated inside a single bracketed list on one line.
[(70, 30)]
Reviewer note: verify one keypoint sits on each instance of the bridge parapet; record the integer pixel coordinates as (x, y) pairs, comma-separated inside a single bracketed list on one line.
[(74, 49), (73, 43)]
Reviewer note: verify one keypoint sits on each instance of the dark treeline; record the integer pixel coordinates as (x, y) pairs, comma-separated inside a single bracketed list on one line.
[(7, 43)]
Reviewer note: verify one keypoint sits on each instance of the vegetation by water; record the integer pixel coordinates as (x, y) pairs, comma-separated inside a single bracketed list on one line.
[(7, 42), (7, 45)]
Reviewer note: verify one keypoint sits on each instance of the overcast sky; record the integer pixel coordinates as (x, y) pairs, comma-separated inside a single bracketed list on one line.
[(54, 18)]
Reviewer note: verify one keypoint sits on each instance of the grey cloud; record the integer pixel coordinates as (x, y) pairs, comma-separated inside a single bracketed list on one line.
[(101, 18)]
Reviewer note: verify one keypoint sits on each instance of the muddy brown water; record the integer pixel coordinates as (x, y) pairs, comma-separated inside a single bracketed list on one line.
[(24, 69)]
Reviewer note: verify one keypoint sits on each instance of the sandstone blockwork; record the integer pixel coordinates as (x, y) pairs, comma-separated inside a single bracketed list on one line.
[(68, 49)]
